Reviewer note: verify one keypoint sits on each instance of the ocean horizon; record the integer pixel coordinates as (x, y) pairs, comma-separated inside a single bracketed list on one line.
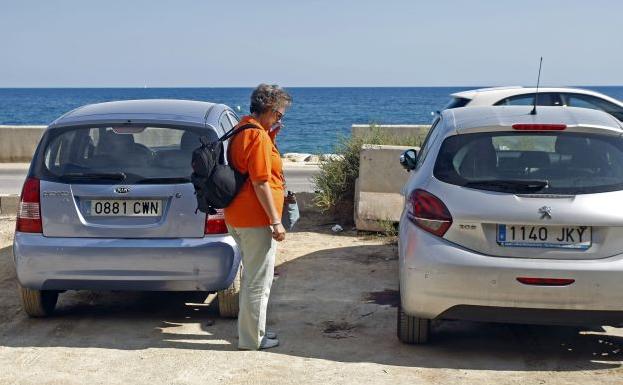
[(319, 116)]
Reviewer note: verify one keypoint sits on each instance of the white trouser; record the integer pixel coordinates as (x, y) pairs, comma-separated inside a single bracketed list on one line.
[(258, 250)]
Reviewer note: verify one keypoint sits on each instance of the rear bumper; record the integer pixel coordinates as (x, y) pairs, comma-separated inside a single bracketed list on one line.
[(203, 264), (440, 280)]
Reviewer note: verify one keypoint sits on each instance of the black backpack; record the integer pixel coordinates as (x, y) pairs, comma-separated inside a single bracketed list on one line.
[(216, 183)]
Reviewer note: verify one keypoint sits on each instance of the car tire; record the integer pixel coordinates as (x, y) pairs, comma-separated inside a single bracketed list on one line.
[(38, 303), (228, 299), (412, 330)]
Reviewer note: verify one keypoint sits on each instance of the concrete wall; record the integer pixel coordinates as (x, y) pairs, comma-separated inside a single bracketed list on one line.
[(377, 194), (414, 133), (378, 197), (18, 143)]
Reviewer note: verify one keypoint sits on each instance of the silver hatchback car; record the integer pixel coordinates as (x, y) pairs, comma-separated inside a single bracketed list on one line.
[(108, 205), (513, 217)]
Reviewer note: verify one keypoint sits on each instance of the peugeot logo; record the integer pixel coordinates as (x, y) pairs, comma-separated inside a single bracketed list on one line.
[(546, 212), (122, 190)]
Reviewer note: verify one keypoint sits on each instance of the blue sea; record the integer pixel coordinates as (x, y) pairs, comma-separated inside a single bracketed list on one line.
[(317, 118)]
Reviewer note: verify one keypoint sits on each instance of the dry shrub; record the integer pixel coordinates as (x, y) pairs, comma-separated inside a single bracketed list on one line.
[(335, 183)]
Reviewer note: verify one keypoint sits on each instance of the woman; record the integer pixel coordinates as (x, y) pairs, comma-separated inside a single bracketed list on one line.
[(254, 216)]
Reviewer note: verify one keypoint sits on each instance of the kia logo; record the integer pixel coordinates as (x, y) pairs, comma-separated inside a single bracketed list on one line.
[(122, 190)]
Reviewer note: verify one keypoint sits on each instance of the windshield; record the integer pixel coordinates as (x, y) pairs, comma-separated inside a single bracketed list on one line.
[(537, 163), (120, 155)]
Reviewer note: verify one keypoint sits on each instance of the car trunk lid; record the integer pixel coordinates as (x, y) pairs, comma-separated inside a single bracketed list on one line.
[(100, 211), (476, 225)]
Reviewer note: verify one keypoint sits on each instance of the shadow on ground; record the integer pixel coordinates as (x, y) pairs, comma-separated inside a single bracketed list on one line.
[(334, 304)]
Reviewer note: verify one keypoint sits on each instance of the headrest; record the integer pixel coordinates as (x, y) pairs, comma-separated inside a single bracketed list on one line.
[(571, 145), (116, 143), (483, 149), (534, 159), (189, 141)]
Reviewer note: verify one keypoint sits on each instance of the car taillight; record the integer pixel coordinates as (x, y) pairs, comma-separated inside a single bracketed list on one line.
[(29, 212), (546, 281), (215, 223), (539, 127), (428, 212)]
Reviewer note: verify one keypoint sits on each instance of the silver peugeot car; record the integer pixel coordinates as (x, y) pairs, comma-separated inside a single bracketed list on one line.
[(108, 205), (513, 217)]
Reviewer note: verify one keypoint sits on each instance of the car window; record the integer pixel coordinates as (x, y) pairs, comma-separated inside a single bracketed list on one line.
[(225, 122), (428, 142), (593, 102), (233, 119), (566, 163), (139, 153), (544, 99), (456, 103)]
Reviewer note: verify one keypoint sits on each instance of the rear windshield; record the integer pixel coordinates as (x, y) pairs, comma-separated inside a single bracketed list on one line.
[(118, 154), (537, 163)]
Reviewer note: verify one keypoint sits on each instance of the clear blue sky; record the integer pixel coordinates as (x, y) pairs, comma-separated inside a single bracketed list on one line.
[(185, 43)]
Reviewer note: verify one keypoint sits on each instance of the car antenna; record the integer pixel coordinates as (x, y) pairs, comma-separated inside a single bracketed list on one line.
[(536, 94)]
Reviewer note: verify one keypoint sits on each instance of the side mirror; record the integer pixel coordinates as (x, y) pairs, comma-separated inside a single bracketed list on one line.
[(408, 159)]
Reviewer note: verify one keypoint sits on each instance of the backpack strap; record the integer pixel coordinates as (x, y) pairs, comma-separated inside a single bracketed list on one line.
[(206, 141), (236, 130)]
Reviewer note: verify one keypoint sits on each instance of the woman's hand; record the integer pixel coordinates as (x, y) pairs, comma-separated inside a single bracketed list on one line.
[(279, 232)]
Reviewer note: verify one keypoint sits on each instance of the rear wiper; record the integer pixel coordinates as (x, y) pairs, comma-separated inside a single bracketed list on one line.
[(509, 184), (94, 175), (162, 180)]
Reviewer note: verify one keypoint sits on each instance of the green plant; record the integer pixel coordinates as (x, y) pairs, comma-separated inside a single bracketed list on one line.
[(390, 228), (335, 183)]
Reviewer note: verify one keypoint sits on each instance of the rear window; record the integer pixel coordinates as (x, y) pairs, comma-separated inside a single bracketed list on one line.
[(539, 163), (118, 154), (456, 103)]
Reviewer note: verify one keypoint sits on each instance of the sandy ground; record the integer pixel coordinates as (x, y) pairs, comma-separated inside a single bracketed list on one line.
[(332, 305)]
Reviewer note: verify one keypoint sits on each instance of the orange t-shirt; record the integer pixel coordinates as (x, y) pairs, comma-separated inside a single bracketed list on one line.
[(253, 152)]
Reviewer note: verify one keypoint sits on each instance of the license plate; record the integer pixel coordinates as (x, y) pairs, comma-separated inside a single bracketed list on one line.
[(126, 208), (565, 237)]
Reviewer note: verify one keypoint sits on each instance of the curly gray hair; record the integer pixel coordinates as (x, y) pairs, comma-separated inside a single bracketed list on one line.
[(267, 96)]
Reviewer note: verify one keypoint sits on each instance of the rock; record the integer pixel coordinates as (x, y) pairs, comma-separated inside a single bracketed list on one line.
[(331, 157), (296, 157)]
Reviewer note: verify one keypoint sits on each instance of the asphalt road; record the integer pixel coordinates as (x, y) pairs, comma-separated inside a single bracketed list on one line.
[(298, 177)]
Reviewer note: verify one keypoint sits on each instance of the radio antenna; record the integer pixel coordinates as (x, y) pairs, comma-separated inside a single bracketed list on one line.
[(536, 94)]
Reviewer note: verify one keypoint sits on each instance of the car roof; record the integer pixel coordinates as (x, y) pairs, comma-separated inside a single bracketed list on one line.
[(165, 111), (468, 118), (494, 94), (469, 94)]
